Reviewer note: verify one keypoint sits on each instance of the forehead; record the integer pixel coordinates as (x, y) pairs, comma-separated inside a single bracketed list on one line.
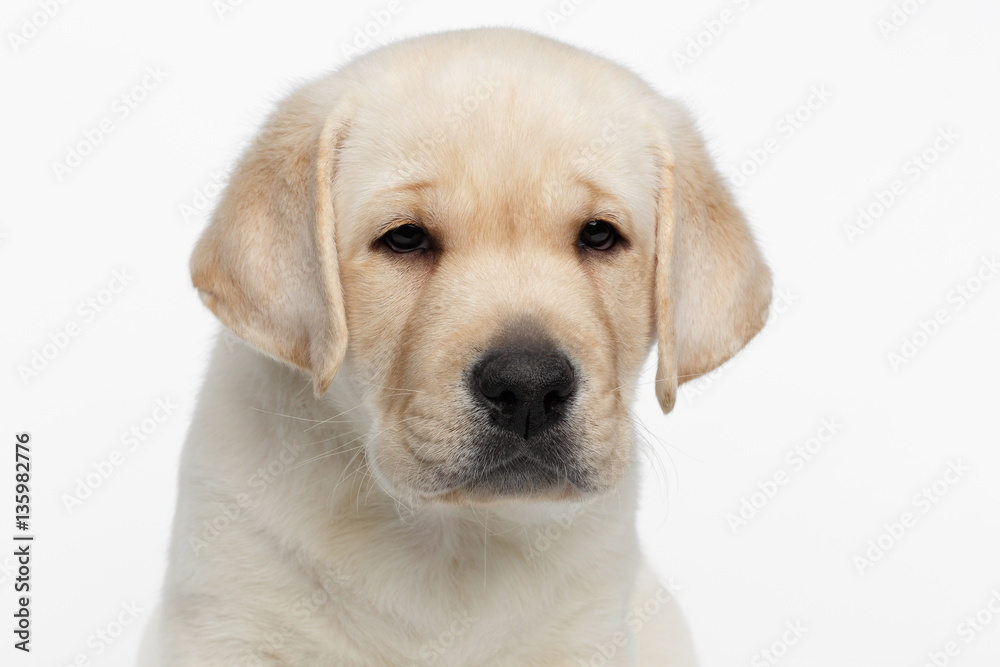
[(490, 138)]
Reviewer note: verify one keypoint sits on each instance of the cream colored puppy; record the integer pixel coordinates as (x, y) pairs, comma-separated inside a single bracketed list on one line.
[(446, 264)]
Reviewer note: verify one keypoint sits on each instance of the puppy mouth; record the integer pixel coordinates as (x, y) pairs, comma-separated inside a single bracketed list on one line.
[(520, 470), (521, 475), (486, 464)]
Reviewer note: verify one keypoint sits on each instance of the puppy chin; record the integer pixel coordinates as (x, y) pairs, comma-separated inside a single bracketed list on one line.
[(484, 478)]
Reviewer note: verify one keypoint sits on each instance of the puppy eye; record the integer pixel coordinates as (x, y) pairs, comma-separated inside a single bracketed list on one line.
[(406, 238), (598, 235)]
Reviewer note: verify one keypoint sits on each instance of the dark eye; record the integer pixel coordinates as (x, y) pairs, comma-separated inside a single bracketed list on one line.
[(598, 234), (406, 238)]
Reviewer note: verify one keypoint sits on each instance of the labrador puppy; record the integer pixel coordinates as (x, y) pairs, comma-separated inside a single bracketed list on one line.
[(444, 266)]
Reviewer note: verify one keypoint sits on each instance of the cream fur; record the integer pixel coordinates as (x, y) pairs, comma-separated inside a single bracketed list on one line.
[(318, 527)]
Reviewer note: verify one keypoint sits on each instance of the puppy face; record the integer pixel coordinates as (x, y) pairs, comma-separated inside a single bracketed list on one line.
[(498, 295), (494, 228)]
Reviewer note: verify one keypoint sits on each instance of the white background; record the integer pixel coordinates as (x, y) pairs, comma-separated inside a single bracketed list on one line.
[(846, 301)]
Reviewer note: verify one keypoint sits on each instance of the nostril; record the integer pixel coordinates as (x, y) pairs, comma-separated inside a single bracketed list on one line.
[(555, 398), (507, 400), (524, 389)]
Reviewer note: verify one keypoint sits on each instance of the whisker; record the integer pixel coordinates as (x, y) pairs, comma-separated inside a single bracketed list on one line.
[(280, 414), (327, 421), (341, 449), (326, 454), (369, 475), (653, 457), (304, 387), (342, 479)]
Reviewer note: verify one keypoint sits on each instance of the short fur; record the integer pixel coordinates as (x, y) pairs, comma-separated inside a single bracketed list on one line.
[(326, 527)]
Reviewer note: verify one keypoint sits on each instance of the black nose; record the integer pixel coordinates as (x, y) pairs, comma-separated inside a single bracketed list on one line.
[(525, 389)]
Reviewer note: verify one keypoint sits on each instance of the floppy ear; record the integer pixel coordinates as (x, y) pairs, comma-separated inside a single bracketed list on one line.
[(712, 285), (267, 265)]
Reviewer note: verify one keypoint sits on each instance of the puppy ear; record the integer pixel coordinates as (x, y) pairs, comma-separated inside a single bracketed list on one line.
[(267, 264), (712, 285)]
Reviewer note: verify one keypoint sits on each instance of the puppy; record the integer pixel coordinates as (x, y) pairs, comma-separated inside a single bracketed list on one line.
[(445, 265)]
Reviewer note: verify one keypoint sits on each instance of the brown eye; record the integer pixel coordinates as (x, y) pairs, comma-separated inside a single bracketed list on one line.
[(406, 238), (598, 235)]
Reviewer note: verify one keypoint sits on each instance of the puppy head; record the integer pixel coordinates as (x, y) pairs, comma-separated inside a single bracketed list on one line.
[(495, 228)]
